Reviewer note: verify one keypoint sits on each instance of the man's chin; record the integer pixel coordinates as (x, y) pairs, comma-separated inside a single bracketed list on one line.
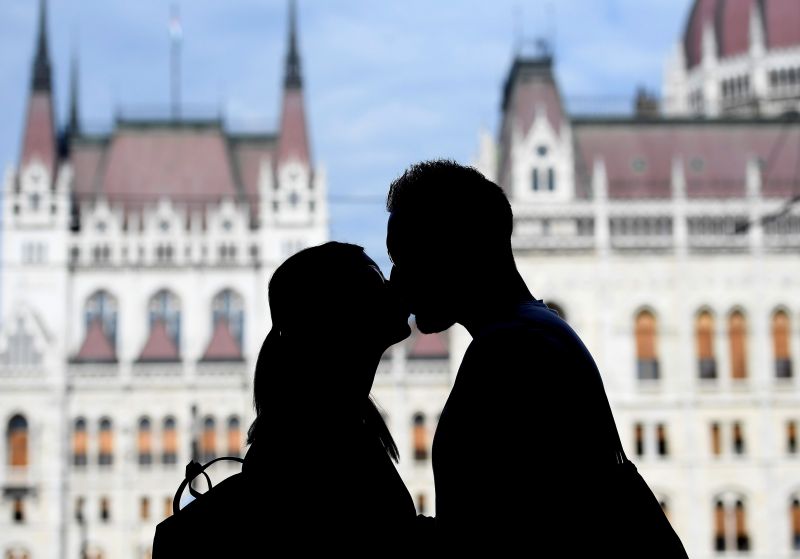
[(431, 325)]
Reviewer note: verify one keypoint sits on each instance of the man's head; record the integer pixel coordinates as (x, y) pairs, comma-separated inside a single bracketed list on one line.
[(449, 233)]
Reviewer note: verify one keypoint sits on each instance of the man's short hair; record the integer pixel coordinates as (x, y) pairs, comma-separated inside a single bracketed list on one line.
[(441, 195)]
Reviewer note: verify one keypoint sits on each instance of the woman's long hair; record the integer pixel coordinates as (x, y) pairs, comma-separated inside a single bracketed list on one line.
[(299, 290)]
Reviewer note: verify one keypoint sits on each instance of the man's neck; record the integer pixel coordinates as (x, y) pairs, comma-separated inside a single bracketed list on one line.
[(496, 304)]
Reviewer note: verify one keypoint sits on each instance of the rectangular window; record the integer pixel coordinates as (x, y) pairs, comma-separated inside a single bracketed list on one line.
[(738, 438), (791, 437), (105, 510), (19, 511), (551, 179), (638, 430), (144, 508), (535, 180), (661, 436), (716, 439)]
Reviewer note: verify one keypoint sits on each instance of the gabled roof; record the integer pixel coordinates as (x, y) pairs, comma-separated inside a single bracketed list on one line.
[(223, 346), (96, 347), (159, 345)]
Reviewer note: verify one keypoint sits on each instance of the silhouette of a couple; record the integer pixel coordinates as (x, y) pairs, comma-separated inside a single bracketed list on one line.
[(526, 456)]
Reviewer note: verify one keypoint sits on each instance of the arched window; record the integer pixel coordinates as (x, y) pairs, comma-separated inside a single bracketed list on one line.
[(105, 509), (144, 442), (105, 456), (102, 307), (208, 442), (165, 308), (704, 335), (716, 439), (738, 438), (18, 511), (420, 438), (730, 523), (80, 442), (646, 341), (228, 306), (791, 437), (234, 436), (661, 440), (737, 337), (780, 342), (794, 521), (638, 433), (17, 441), (170, 442)]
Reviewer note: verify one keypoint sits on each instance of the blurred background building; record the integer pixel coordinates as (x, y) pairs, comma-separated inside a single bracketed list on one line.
[(134, 266)]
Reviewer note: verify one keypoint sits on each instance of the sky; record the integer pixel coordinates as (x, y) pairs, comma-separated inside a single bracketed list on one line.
[(387, 83)]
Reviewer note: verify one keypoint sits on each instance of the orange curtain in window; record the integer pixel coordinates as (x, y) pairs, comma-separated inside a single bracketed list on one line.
[(737, 333), (645, 336), (170, 440), (716, 446), (795, 517), (106, 441), (234, 440), (80, 442), (780, 334), (18, 447), (741, 527), (145, 442), (209, 440), (420, 440), (719, 520), (705, 335)]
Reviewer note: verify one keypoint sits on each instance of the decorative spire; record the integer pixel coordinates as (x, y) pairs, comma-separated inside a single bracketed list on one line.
[(293, 76), (74, 125), (41, 64)]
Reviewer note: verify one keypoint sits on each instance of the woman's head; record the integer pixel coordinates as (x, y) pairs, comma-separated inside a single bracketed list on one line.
[(333, 315), (335, 292)]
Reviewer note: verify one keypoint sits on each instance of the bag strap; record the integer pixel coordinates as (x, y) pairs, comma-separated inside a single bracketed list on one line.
[(194, 469)]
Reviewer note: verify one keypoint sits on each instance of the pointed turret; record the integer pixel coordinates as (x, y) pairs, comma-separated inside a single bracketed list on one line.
[(74, 124), (293, 143), (39, 140)]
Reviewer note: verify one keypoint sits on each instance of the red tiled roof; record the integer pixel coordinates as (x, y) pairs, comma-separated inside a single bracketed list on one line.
[(159, 345), (96, 346), (714, 157), (183, 163), (293, 140), (222, 347), (39, 138), (428, 346), (86, 159), (783, 23), (730, 20), (248, 154)]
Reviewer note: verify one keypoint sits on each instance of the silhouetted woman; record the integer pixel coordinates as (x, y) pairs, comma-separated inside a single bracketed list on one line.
[(318, 475)]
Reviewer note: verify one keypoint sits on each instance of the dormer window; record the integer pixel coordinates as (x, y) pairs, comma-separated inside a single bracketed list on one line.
[(164, 225), (541, 150), (227, 225), (101, 226)]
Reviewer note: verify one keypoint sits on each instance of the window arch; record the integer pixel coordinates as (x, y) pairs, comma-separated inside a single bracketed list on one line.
[(170, 441), (80, 441), (17, 441), (737, 338), (144, 442), (102, 307), (229, 306), (234, 436), (704, 336), (646, 342), (730, 523), (420, 436), (105, 455), (780, 344), (165, 307), (208, 442)]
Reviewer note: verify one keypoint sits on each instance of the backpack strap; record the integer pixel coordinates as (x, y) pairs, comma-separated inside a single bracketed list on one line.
[(194, 469)]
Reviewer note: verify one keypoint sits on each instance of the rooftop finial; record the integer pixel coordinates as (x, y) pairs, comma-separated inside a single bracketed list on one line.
[(74, 115), (293, 77), (41, 63)]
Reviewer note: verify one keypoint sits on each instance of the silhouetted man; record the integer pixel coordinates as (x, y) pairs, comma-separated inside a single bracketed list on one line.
[(526, 443)]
